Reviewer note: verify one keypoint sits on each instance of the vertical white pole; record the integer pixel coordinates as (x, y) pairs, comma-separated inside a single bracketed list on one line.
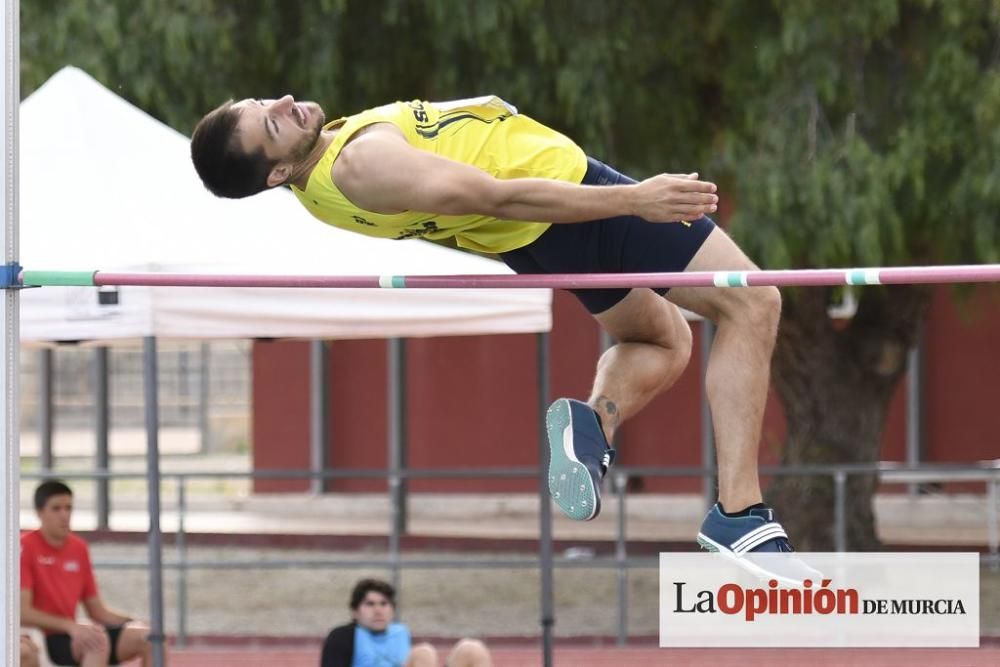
[(9, 369)]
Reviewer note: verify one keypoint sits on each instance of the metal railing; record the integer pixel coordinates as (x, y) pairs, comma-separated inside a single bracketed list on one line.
[(621, 561)]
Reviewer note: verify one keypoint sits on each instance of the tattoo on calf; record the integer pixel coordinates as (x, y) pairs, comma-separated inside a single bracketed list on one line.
[(610, 409)]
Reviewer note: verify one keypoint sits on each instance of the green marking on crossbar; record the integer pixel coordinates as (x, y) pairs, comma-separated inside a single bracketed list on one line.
[(729, 278), (391, 282), (863, 277), (59, 278)]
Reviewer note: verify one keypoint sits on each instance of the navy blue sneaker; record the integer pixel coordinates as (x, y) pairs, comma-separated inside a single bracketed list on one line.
[(579, 457), (743, 538)]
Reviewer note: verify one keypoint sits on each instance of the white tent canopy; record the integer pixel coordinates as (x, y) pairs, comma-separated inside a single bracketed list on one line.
[(105, 186)]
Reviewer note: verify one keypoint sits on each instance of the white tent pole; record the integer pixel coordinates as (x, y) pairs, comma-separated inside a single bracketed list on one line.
[(9, 367)]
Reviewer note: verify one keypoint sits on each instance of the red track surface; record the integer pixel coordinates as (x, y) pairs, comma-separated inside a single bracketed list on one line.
[(634, 657)]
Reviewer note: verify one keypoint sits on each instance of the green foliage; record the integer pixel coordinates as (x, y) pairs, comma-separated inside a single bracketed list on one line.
[(869, 135), (844, 133)]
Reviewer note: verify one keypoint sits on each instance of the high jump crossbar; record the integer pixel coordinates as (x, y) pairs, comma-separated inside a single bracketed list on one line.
[(908, 275)]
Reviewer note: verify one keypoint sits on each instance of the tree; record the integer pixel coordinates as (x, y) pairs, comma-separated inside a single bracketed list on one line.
[(872, 143)]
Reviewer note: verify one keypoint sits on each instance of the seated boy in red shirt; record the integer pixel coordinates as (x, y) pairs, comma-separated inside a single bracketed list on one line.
[(56, 575)]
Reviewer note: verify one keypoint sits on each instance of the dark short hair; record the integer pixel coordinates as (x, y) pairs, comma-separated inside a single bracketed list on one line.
[(49, 488), (366, 586), (224, 168)]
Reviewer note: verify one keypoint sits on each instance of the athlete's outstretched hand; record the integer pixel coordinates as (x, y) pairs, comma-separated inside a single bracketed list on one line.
[(674, 198)]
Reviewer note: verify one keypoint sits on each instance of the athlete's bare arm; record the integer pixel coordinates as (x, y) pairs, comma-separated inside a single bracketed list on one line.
[(380, 172)]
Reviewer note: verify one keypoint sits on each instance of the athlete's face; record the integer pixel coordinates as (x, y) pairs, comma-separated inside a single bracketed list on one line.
[(55, 516), (284, 129), (375, 612)]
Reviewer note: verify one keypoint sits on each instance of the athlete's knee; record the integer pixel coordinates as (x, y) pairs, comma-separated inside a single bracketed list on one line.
[(683, 341), (756, 309), (767, 308), (676, 352), (671, 331), (676, 345)]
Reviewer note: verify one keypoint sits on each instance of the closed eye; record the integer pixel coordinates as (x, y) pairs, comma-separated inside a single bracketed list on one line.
[(272, 128)]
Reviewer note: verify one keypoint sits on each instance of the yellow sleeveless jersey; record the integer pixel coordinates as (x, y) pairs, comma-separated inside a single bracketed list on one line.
[(484, 132)]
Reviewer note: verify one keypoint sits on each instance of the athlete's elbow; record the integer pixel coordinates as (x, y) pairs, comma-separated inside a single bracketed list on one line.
[(499, 199)]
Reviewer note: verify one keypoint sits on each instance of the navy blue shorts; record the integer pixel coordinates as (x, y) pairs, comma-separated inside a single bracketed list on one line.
[(623, 244)]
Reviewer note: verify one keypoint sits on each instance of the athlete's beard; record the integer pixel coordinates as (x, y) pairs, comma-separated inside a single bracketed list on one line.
[(302, 149)]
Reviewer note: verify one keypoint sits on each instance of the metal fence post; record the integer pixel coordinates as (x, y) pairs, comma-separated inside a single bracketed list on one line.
[(915, 375), (319, 406), (840, 511), (993, 531), (181, 547), (10, 608), (150, 378), (544, 503), (621, 558), (709, 486), (396, 454), (205, 396), (45, 411), (102, 428)]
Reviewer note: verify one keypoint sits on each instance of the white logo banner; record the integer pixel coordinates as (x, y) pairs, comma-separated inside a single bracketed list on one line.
[(819, 599)]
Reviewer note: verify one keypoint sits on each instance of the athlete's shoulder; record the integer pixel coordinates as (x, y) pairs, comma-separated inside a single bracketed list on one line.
[(493, 102)]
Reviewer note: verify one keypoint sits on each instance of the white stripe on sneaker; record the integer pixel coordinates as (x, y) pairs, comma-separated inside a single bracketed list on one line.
[(758, 536), (568, 449), (754, 537), (753, 533), (761, 539)]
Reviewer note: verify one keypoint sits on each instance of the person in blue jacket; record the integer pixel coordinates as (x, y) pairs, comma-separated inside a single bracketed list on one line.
[(375, 639)]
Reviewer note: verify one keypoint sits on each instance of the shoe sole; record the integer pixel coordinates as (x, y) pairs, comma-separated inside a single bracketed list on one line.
[(708, 544), (570, 483)]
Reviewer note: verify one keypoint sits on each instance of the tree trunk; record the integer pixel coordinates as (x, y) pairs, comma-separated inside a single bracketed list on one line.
[(835, 383)]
